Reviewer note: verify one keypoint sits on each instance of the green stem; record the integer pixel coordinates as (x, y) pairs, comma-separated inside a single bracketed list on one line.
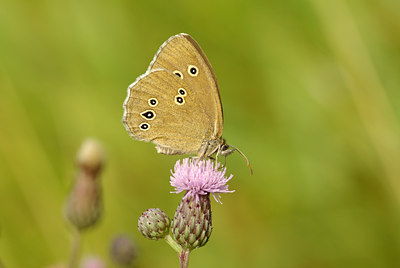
[(75, 249), (173, 244), (184, 258), (182, 253)]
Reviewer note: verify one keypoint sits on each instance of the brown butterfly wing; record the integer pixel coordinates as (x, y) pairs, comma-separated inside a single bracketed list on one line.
[(174, 127), (179, 53)]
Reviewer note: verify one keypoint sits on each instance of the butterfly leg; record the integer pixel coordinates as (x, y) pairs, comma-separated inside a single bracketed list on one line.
[(202, 153), (194, 157)]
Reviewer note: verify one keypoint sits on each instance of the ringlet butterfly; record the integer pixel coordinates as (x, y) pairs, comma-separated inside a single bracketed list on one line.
[(176, 104)]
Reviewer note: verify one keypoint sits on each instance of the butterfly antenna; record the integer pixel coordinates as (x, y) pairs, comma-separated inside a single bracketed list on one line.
[(244, 156)]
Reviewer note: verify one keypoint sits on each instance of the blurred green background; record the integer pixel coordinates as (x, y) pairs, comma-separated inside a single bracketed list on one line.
[(310, 92)]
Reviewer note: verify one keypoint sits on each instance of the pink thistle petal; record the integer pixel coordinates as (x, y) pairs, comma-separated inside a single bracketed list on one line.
[(199, 177)]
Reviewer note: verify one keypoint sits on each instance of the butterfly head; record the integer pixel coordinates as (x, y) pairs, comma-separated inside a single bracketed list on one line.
[(225, 150)]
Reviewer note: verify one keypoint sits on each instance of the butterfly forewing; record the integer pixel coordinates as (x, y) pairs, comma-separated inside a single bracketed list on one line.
[(164, 109), (182, 56)]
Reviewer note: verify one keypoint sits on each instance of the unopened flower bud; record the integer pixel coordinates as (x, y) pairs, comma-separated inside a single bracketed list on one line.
[(154, 224), (91, 156), (84, 204), (191, 227), (122, 250)]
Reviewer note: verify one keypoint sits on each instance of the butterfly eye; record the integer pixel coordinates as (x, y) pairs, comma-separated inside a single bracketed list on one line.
[(178, 74), (144, 126), (224, 147), (149, 115), (182, 91), (153, 102), (193, 70), (179, 100)]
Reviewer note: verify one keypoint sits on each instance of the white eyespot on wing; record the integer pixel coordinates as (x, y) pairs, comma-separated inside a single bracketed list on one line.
[(144, 126), (178, 74), (179, 100), (193, 70), (182, 92), (153, 102), (148, 115)]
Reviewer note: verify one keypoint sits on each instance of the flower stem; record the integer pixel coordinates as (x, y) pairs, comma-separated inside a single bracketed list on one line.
[(173, 244), (182, 253), (184, 258), (75, 248)]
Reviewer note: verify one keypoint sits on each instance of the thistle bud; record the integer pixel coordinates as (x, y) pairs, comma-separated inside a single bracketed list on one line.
[(84, 204), (122, 250), (191, 227), (154, 223), (91, 157)]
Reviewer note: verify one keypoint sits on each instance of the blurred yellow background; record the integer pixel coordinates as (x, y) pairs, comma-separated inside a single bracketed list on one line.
[(311, 95)]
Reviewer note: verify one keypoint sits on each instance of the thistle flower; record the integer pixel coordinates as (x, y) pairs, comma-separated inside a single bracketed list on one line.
[(192, 226), (200, 177)]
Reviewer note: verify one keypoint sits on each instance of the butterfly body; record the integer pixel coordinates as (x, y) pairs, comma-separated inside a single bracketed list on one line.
[(176, 104)]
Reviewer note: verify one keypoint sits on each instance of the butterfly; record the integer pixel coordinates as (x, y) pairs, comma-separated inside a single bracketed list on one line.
[(176, 104)]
